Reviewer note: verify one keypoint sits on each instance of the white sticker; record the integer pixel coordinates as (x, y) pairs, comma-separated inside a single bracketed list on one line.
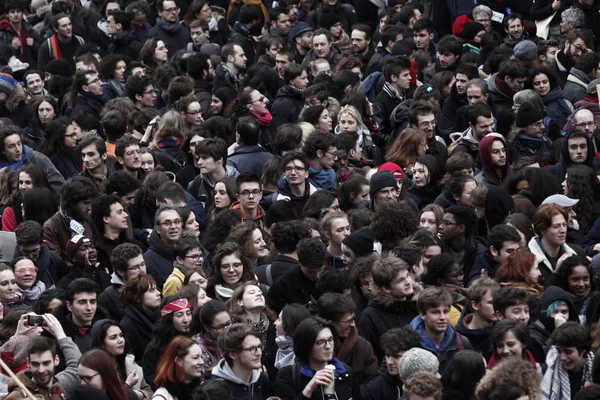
[(497, 17)]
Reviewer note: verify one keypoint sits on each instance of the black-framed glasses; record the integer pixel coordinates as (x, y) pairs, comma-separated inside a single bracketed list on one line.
[(289, 170), (32, 252), (87, 379), (247, 193), (261, 99), (222, 327), (323, 342), (171, 10), (448, 223), (254, 349), (583, 125), (168, 223), (97, 80), (195, 257)]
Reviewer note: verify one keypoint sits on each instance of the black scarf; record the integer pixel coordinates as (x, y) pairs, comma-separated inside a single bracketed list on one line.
[(183, 391)]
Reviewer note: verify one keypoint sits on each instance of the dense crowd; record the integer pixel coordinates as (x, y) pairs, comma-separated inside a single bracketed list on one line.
[(300, 199)]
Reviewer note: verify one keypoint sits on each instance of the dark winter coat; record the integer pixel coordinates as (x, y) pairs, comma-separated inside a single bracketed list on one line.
[(159, 259), (286, 107), (576, 87), (557, 107), (384, 387), (449, 110), (50, 266), (16, 109), (279, 267), (98, 275), (138, 326), (174, 36), (502, 106), (293, 287), (249, 159), (87, 103)]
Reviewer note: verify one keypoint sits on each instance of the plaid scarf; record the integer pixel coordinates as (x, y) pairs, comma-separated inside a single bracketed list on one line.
[(555, 384)]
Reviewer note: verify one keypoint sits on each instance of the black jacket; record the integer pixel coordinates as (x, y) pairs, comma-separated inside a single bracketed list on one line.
[(159, 259), (175, 39), (127, 43), (450, 107), (96, 274), (384, 387), (138, 326), (475, 247), (50, 266), (502, 105), (279, 267), (286, 107), (249, 159), (293, 287)]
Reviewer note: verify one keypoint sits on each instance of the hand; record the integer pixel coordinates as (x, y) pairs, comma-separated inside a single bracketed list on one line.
[(323, 377), (29, 41), (132, 379), (560, 261), (16, 43), (556, 5), (456, 136), (54, 327), (559, 319), (24, 329)]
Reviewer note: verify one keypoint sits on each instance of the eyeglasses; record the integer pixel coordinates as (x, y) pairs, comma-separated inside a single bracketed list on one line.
[(221, 328), (254, 350), (154, 92), (426, 124), (26, 270), (247, 193), (171, 10), (347, 323), (261, 99), (34, 252), (289, 170), (195, 257), (97, 80), (87, 379), (579, 48), (334, 155), (483, 20), (583, 125), (167, 223), (324, 342), (234, 266), (137, 267)]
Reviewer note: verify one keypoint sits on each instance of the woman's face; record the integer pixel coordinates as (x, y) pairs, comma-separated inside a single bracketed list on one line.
[(348, 123), (258, 103), (193, 114), (191, 224), (252, 299), (151, 299), (194, 142), (72, 135), (258, 243), (336, 30), (25, 274), (429, 222), (46, 113), (25, 182), (279, 325), (510, 346), (420, 174), (216, 105), (220, 321), (465, 196), (541, 84), (114, 341), (90, 377), (182, 320), (199, 280), (429, 253), (120, 69), (147, 162), (534, 272), (8, 284), (455, 276), (161, 52), (340, 228), (191, 363), (231, 270), (202, 297), (579, 281), (325, 121), (222, 199), (423, 147), (362, 196)]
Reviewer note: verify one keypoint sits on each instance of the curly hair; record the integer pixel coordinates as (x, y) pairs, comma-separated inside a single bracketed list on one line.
[(517, 267), (361, 268), (583, 184), (521, 372), (561, 276), (224, 250), (242, 235), (405, 149), (393, 223), (437, 269), (542, 184), (219, 228)]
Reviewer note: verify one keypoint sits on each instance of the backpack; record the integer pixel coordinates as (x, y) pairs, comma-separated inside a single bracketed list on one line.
[(372, 85)]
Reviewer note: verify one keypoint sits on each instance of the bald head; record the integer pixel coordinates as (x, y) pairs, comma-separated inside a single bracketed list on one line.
[(584, 120)]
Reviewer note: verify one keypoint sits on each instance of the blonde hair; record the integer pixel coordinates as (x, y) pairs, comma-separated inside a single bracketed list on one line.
[(348, 109), (172, 124)]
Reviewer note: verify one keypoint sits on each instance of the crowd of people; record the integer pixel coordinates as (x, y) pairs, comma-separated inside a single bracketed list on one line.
[(300, 199)]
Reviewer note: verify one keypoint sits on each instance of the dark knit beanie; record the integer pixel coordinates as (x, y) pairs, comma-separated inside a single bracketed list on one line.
[(471, 30), (329, 19), (360, 242), (59, 67), (380, 180), (528, 114)]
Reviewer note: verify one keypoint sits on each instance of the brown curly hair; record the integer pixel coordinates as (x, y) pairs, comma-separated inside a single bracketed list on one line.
[(511, 369), (405, 149)]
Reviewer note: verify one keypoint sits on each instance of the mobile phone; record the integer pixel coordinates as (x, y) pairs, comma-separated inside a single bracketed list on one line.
[(35, 320)]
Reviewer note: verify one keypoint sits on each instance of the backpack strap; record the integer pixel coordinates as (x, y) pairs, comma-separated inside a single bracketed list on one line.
[(269, 275), (459, 341), (295, 376)]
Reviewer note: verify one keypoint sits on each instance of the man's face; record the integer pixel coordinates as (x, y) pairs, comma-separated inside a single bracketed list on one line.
[(518, 311), (301, 81), (321, 46), (15, 15), (169, 11), (249, 195), (321, 68), (576, 49), (42, 366), (65, 28), (515, 84), (83, 307), (427, 123), (311, 273), (498, 152), (283, 23), (447, 60), (387, 195), (359, 41), (484, 126), (208, 164), (584, 120), (436, 319), (556, 234), (293, 11), (199, 37), (485, 308), (578, 149), (305, 40), (327, 159), (282, 63), (93, 85), (474, 95), (86, 254), (566, 26), (239, 58), (135, 266), (31, 251), (112, 27), (551, 55), (507, 249), (345, 324), (91, 158), (131, 159), (169, 226), (401, 286), (272, 51), (34, 84), (422, 39), (570, 357), (535, 130), (449, 229), (295, 172), (461, 83), (250, 357), (515, 28), (83, 208), (484, 20), (402, 81), (13, 148), (148, 97), (117, 219)]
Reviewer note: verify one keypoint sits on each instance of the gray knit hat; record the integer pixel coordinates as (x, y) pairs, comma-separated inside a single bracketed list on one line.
[(417, 360), (525, 51)]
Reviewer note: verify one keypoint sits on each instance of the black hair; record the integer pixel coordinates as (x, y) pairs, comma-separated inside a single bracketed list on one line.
[(81, 285), (333, 306), (438, 268), (306, 335), (248, 130), (291, 316), (332, 281), (122, 183), (287, 234), (502, 327), (463, 216), (394, 66), (502, 233), (508, 296), (572, 334)]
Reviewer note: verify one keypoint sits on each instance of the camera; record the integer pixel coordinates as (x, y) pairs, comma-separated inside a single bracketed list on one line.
[(35, 320)]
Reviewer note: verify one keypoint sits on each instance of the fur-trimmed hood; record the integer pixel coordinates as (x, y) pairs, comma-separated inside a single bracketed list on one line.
[(17, 97)]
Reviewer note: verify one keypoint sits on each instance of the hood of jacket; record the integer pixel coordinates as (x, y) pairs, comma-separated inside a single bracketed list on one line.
[(497, 90), (15, 99), (159, 246), (289, 91), (400, 113), (579, 77), (565, 159), (463, 329), (469, 137), (485, 155), (224, 371), (497, 206), (549, 296), (428, 344)]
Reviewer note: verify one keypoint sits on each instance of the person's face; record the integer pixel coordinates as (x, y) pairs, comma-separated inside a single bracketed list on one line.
[(193, 114), (199, 280), (427, 123), (474, 95), (34, 84), (322, 350), (482, 127), (557, 232), (361, 196), (204, 15), (402, 81), (321, 46), (479, 36), (31, 251), (498, 152), (83, 307), (576, 49), (366, 285), (135, 267), (120, 69), (570, 358), (169, 11), (216, 105), (336, 30), (293, 12), (535, 130), (578, 149), (111, 26), (340, 228), (147, 162), (221, 198), (199, 37), (91, 158), (515, 28), (551, 55), (252, 299), (191, 224), (328, 158), (279, 325), (422, 39), (436, 319), (295, 172), (282, 63), (311, 273), (94, 84), (231, 270), (239, 58), (447, 60), (182, 320), (401, 286), (348, 123), (272, 51), (566, 26), (249, 195), (64, 28), (15, 15), (208, 165), (391, 362), (420, 174), (86, 254), (219, 323), (305, 40), (455, 276), (359, 41), (13, 148), (465, 196), (345, 324), (148, 97), (300, 82), (534, 272), (387, 195), (170, 226), (584, 120), (325, 122), (250, 356), (132, 159), (563, 310), (45, 113), (138, 71), (25, 182), (42, 367), (283, 23), (428, 221), (519, 311), (90, 377), (258, 243), (579, 281), (507, 249), (485, 308), (114, 341), (515, 84), (541, 84), (118, 217), (191, 364), (461, 83), (161, 52), (449, 229), (8, 285), (25, 273), (84, 207), (484, 20), (510, 346), (322, 68)]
